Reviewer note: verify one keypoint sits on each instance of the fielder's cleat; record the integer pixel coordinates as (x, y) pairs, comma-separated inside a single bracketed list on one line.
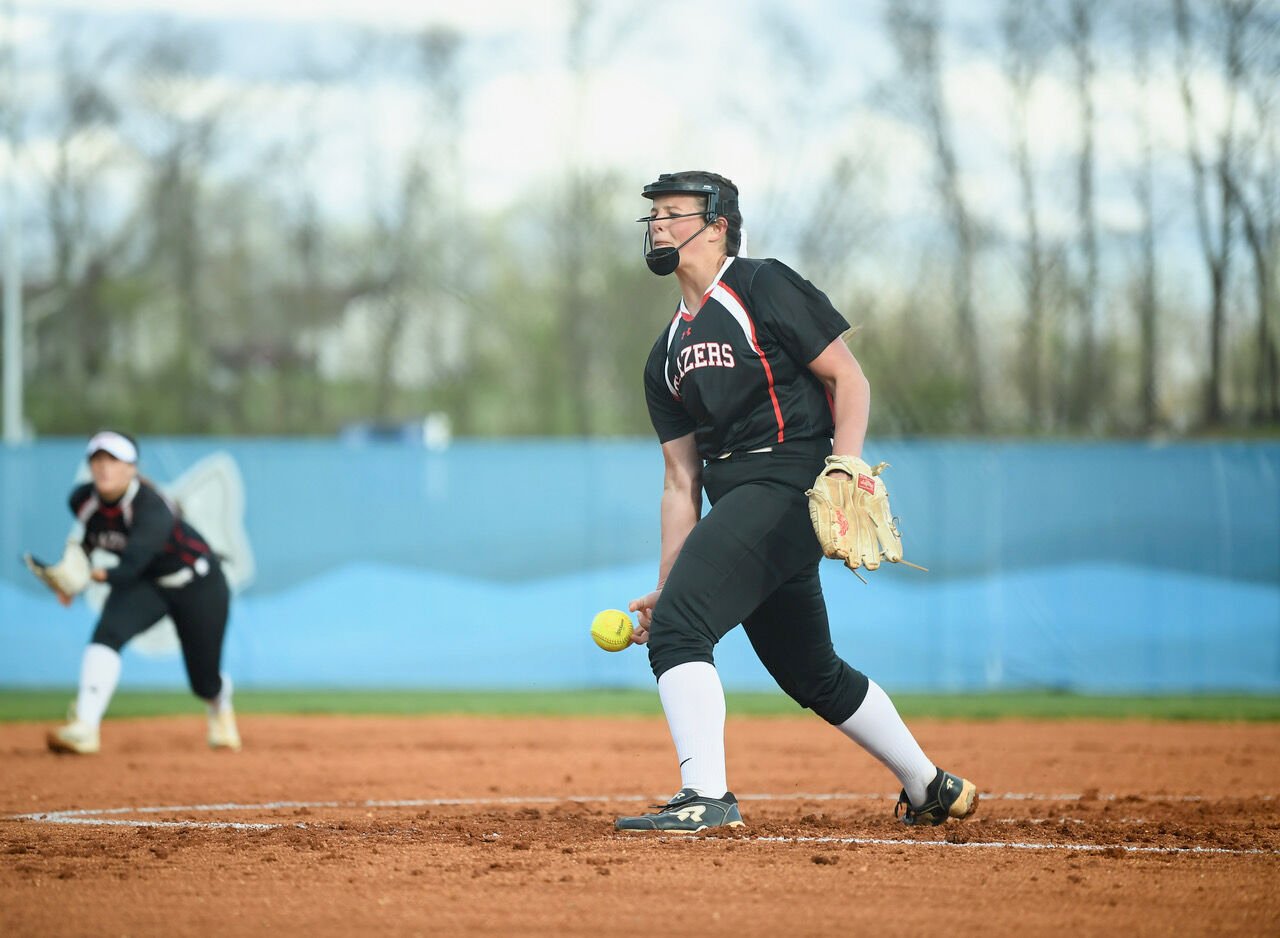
[(947, 796), (75, 737), (223, 733), (687, 813)]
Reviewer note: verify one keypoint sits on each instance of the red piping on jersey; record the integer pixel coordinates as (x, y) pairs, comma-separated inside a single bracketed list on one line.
[(186, 558), (755, 344), (688, 316), (192, 542)]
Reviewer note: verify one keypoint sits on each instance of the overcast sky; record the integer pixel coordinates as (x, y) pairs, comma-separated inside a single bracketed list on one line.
[(675, 99), (671, 85)]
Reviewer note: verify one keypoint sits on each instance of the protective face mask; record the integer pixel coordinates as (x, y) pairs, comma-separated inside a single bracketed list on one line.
[(663, 261)]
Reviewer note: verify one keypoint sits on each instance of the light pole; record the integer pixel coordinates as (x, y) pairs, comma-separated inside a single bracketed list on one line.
[(13, 432)]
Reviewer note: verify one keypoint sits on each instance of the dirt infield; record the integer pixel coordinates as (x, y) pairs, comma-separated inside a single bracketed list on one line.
[(489, 826)]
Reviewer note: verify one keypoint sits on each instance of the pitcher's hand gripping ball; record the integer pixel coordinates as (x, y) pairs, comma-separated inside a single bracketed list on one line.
[(611, 629)]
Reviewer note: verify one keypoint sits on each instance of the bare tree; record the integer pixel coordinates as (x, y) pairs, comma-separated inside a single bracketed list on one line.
[(306, 244), (85, 245), (913, 26), (1086, 386), (583, 240), (399, 240), (408, 260), (836, 218), (1025, 46), (450, 334), (1253, 185), (1211, 196), (1146, 299), (187, 131), (311, 291)]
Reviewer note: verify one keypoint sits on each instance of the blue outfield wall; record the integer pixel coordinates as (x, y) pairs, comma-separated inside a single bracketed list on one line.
[(1099, 567)]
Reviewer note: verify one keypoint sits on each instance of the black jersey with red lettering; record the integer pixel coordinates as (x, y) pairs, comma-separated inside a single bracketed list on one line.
[(735, 373), (144, 528)]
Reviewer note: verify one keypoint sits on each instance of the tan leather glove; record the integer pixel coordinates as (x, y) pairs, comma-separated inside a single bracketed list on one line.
[(851, 517), (68, 576)]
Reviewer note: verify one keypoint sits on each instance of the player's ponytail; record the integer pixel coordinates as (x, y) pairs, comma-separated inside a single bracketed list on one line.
[(730, 212)]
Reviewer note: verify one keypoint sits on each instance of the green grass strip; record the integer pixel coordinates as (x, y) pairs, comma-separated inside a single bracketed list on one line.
[(51, 704)]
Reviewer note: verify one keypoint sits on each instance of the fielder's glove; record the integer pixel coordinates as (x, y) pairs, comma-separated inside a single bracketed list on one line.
[(68, 576), (851, 517)]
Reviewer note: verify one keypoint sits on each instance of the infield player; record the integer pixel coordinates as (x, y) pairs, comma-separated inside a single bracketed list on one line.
[(757, 400), (165, 568)]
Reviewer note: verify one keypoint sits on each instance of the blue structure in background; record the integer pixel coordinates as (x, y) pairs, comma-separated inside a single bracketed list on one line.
[(1089, 567)]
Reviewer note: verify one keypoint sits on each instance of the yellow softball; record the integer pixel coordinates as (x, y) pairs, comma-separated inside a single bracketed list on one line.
[(611, 629)]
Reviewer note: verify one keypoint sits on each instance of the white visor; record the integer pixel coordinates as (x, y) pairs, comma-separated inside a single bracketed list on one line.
[(114, 443)]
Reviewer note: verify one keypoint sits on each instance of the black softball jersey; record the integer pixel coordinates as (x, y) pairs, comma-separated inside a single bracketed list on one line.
[(145, 530), (735, 373)]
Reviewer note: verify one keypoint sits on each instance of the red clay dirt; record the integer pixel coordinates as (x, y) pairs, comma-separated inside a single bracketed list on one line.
[(495, 826)]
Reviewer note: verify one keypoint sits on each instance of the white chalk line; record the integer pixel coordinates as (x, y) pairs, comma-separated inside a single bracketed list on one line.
[(100, 817), (1016, 845)]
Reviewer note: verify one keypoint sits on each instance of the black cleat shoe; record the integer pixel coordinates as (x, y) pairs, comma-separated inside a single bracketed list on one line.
[(947, 796), (687, 813)]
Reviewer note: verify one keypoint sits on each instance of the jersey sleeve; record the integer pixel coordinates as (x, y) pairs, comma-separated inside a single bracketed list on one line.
[(796, 312), (669, 418), (79, 495), (152, 522)]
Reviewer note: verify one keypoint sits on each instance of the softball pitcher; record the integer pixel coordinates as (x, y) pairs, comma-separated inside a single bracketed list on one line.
[(165, 568), (757, 400)]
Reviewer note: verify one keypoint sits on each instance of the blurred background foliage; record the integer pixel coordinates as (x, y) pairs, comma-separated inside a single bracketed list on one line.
[(183, 275)]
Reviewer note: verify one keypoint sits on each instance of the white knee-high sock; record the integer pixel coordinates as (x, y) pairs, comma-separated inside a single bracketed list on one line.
[(693, 701), (877, 728), (221, 703), (99, 674)]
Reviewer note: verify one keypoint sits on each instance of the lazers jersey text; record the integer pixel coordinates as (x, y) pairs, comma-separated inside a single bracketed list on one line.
[(735, 373), (701, 355)]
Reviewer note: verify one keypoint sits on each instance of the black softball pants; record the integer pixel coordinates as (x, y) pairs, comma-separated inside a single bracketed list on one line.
[(198, 609), (753, 559)]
